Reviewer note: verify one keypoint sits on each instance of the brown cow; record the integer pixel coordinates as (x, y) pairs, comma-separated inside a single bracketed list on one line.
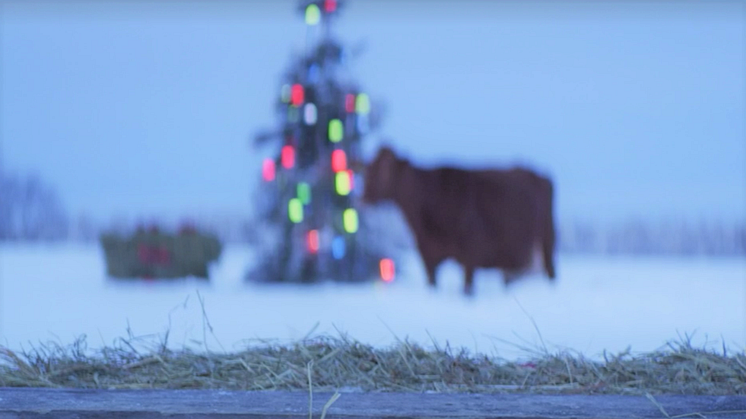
[(482, 219)]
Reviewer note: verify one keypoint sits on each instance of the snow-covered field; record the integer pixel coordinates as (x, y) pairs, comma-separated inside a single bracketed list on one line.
[(60, 292)]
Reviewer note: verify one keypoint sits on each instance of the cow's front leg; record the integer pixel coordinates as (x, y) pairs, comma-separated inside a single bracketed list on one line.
[(431, 259), (431, 266), (509, 277), (469, 280)]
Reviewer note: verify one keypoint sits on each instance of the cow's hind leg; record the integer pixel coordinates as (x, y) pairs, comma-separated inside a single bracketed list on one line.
[(510, 276), (549, 237), (469, 280), (548, 255)]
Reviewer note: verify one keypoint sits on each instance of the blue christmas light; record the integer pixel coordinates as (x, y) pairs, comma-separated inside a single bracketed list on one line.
[(362, 123), (338, 248), (313, 73)]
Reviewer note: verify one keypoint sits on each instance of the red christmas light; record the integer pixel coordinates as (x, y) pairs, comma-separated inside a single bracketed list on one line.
[(387, 270), (313, 241), (339, 160), (350, 103), (296, 95), (268, 170), (288, 156), (351, 175), (330, 5)]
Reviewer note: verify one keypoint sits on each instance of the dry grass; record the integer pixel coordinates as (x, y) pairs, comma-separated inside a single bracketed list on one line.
[(329, 363)]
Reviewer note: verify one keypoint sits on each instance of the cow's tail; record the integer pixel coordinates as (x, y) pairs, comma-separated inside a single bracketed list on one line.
[(549, 239)]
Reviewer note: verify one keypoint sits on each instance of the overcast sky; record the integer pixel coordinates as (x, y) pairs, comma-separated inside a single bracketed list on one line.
[(146, 108)]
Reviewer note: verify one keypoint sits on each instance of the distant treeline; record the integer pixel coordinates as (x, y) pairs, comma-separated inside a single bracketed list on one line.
[(633, 238), (648, 238), (31, 211)]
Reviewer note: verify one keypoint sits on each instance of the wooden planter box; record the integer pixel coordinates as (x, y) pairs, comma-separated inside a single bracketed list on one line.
[(193, 404), (159, 255)]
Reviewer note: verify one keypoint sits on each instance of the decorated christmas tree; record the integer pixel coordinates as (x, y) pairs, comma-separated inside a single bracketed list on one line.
[(311, 187)]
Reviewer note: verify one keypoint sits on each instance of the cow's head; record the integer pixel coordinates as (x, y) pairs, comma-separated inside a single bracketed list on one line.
[(380, 176)]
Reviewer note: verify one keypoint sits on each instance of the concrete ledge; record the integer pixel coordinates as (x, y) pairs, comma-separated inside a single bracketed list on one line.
[(202, 404)]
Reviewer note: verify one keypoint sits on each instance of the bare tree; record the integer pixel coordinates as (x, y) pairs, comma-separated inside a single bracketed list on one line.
[(30, 210)]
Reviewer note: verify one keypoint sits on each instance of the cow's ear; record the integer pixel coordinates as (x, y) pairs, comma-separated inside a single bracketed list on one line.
[(386, 152)]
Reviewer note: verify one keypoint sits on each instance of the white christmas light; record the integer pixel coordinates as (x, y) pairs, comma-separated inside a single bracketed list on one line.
[(309, 114)]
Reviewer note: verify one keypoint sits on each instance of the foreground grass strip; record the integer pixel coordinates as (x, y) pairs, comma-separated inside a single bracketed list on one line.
[(329, 364)]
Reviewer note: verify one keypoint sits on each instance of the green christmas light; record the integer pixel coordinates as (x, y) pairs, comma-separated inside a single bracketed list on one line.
[(293, 114), (313, 15), (335, 130), (285, 93), (362, 103), (304, 193), (295, 210), (349, 220), (342, 183)]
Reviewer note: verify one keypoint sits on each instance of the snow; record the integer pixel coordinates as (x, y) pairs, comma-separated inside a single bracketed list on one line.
[(598, 303)]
